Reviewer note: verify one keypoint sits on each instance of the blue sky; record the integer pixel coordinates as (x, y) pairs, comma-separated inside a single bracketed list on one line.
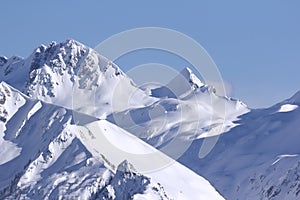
[(255, 44)]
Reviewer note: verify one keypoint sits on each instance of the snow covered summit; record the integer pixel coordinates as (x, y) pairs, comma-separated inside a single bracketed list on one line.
[(62, 72)]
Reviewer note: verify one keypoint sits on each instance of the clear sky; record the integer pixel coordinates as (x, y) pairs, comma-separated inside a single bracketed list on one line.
[(255, 44)]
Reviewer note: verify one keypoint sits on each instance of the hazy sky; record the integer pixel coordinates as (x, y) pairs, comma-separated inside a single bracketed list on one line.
[(256, 45)]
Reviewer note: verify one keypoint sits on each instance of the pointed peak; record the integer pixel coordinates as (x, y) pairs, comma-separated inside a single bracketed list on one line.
[(7, 87), (3, 60), (5, 90), (15, 58), (187, 70), (3, 83), (125, 166), (71, 42), (53, 43), (40, 49), (295, 99), (189, 75)]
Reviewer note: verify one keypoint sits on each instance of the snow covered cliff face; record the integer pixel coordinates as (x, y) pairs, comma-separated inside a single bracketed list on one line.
[(69, 73)]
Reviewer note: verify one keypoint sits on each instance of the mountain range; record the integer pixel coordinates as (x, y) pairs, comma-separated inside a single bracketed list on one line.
[(61, 106)]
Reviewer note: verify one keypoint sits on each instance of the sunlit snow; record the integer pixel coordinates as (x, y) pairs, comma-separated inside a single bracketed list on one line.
[(287, 108)]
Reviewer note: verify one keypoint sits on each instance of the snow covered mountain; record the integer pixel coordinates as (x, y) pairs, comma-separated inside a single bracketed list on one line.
[(60, 73), (58, 105), (192, 110), (42, 157), (258, 159)]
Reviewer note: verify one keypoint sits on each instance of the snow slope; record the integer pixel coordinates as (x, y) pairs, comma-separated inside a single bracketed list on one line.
[(256, 156), (287, 108), (10, 102), (41, 157), (48, 160), (259, 159), (97, 135)]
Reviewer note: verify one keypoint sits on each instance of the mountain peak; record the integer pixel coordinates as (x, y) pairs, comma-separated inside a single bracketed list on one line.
[(40, 49), (3, 60), (189, 75), (125, 166), (71, 43), (182, 84), (295, 98), (4, 84)]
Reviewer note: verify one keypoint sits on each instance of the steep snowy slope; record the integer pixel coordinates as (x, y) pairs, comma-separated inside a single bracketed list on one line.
[(68, 74), (44, 158), (41, 157), (104, 139), (258, 159), (10, 102)]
